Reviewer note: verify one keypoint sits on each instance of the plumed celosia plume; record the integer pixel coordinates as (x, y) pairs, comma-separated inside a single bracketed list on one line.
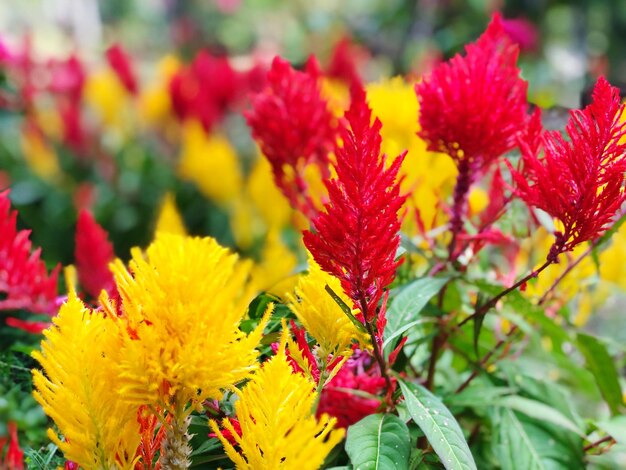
[(120, 62), (24, 280), (320, 314), (180, 296), (472, 107), (293, 126), (77, 387), (11, 458), (356, 237), (93, 253), (277, 425), (579, 181)]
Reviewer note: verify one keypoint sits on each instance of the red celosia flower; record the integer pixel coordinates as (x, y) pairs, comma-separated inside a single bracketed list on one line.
[(522, 32), (356, 237), (24, 280), (205, 89), (337, 400), (293, 126), (473, 107), (93, 253), (120, 62), (579, 181), (14, 458)]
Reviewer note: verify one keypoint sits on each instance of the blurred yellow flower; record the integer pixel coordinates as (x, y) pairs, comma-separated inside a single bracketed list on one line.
[(155, 106), (321, 316), (428, 177), (105, 93), (211, 163), (274, 273), (79, 386), (169, 219), (278, 428), (39, 155), (184, 301)]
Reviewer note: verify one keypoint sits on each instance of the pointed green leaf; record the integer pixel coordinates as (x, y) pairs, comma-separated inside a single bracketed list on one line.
[(379, 442), (409, 303), (601, 365), (345, 309), (439, 426)]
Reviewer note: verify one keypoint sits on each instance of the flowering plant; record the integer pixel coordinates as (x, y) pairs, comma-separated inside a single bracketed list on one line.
[(430, 323)]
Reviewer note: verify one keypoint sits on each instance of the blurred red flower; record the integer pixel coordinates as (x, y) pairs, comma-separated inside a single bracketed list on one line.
[(293, 126), (120, 62), (93, 253)]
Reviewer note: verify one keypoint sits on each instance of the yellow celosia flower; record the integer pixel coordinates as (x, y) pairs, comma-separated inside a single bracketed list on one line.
[(211, 163), (169, 220), (428, 177), (275, 272), (321, 316), (183, 302), (154, 103), (107, 96), (78, 389), (270, 203), (39, 155), (278, 428)]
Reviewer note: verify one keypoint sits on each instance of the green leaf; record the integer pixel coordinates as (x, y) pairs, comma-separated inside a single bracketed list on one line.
[(525, 444), (616, 428), (478, 396), (540, 411), (409, 303), (601, 365), (379, 442), (439, 426), (345, 309)]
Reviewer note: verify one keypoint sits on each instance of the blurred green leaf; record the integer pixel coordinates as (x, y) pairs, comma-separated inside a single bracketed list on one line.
[(601, 365)]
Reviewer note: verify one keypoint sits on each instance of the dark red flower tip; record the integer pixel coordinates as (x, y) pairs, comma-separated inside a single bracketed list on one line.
[(293, 126), (579, 181), (120, 62), (356, 237), (343, 62), (473, 106), (24, 280), (93, 253)]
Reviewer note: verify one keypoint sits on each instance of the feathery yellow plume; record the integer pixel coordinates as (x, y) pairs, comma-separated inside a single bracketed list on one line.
[(169, 219), (77, 389), (278, 429), (184, 302), (321, 316)]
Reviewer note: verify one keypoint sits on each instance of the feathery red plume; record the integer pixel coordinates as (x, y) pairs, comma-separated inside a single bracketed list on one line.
[(579, 181), (14, 457), (24, 280), (473, 107), (293, 126), (120, 62), (93, 253), (356, 237)]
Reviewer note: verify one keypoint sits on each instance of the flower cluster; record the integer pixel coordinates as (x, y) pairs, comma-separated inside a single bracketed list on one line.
[(579, 182)]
